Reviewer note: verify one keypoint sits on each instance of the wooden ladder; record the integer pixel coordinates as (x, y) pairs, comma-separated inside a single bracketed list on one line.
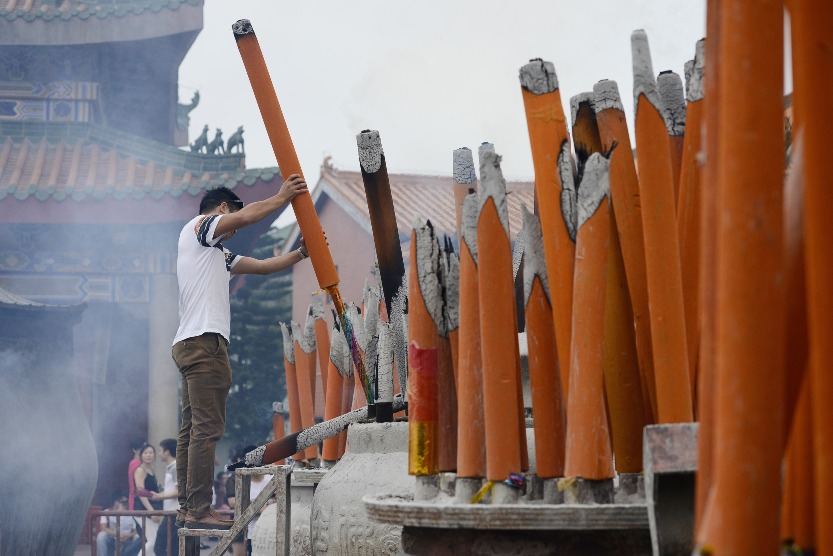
[(246, 510)]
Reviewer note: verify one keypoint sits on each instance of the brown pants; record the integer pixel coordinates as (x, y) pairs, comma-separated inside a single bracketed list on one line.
[(206, 378)]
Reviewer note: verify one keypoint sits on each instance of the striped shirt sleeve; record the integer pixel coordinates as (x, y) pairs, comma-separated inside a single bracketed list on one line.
[(205, 228)]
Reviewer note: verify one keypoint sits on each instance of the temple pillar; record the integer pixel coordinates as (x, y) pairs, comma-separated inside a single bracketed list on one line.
[(163, 376)]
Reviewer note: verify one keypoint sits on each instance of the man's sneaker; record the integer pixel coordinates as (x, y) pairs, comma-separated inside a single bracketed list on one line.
[(211, 520), (180, 518)]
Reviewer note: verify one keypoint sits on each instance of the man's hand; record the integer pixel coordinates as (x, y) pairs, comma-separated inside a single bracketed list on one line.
[(304, 248), (294, 185)]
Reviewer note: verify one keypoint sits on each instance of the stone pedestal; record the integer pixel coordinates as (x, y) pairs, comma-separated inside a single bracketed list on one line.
[(376, 461), (440, 529), (670, 462)]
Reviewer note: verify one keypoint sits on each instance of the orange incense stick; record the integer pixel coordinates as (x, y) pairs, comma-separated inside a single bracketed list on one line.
[(671, 93), (305, 359), (549, 139), (446, 374), (337, 369), (798, 532), (688, 208), (355, 319), (812, 42), (278, 132), (322, 343), (498, 331), (662, 250), (624, 196), (750, 281), (544, 376), (348, 385), (424, 309), (588, 439), (295, 424), (471, 441)]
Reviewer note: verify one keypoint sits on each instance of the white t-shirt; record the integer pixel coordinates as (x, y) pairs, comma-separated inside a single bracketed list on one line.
[(169, 504), (125, 523), (256, 488), (203, 270)]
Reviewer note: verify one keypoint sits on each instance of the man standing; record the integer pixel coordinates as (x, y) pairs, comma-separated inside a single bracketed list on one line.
[(204, 268), (169, 495)]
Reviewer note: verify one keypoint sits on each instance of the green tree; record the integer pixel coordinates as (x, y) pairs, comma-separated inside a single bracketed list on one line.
[(256, 349)]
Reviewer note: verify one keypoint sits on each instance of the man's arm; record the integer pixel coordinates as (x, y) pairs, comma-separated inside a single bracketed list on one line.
[(257, 211), (248, 265)]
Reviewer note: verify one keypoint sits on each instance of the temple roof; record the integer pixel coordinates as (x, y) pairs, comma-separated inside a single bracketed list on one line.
[(431, 197), (90, 21), (49, 165)]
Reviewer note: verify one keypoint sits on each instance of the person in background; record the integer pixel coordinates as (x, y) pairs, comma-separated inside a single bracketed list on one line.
[(200, 346), (146, 487), (122, 529), (168, 496), (136, 445), (221, 496)]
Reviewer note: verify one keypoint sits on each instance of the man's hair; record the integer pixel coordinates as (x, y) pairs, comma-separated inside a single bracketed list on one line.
[(213, 198), (168, 444)]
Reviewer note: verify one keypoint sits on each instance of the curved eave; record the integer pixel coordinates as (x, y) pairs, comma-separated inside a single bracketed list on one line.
[(118, 23)]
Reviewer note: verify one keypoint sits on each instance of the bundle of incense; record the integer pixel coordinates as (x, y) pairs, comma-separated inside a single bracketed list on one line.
[(278, 421), (812, 81), (662, 249), (672, 96), (465, 182), (545, 380), (750, 306), (273, 452), (308, 222), (622, 383), (549, 140), (449, 272), (385, 357), (322, 345), (295, 424), (305, 363), (471, 441), (588, 452), (338, 365), (502, 394), (424, 310), (624, 198), (688, 207)]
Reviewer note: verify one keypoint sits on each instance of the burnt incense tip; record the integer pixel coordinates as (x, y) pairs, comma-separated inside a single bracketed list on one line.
[(370, 150), (485, 147), (595, 186), (365, 131), (673, 102), (242, 27), (643, 70), (694, 82), (493, 185), (288, 343), (471, 211), (606, 95), (464, 166), (534, 260), (538, 77), (575, 102)]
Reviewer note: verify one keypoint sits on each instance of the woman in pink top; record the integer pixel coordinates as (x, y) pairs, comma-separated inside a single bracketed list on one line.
[(136, 446)]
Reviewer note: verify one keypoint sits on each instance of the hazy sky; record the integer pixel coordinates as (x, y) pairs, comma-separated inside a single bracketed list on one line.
[(430, 76)]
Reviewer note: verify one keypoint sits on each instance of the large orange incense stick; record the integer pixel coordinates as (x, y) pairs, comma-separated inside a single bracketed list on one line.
[(750, 281), (672, 96), (812, 23), (624, 196), (337, 367), (322, 344), (308, 222), (278, 421), (688, 208), (548, 139), (471, 441), (305, 359), (586, 138), (544, 376), (424, 309), (708, 268), (446, 373), (295, 424), (662, 250), (498, 332), (588, 439), (798, 529)]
